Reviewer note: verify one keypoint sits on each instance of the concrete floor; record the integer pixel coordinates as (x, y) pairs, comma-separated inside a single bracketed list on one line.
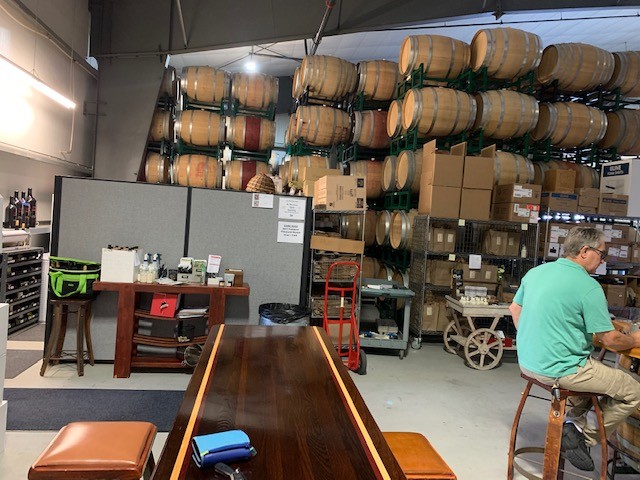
[(465, 413)]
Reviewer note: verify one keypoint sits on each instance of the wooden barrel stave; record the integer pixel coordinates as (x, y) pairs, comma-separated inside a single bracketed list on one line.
[(438, 111), (623, 132), (505, 114), (327, 77), (626, 74), (299, 163), (378, 79), (512, 168), (370, 129), (157, 168), (199, 127), (239, 172), (569, 124), (205, 84), (442, 57), (322, 126), (254, 90), (372, 171), (409, 170), (197, 171), (251, 133)]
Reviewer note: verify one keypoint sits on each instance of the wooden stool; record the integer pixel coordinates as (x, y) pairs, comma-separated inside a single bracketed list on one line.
[(553, 464), (417, 457), (61, 310), (98, 451)]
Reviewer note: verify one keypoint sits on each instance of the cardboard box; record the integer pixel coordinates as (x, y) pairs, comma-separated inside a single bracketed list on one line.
[(589, 210), (559, 201), (436, 239), (449, 240), (311, 174), (612, 204), (478, 172), (558, 232), (475, 204), (486, 274), (513, 244), (439, 272), (588, 197), (517, 193), (120, 265), (622, 177), (635, 253), (439, 201), (307, 188), (164, 304), (344, 192), (620, 234), (430, 314), (495, 242), (238, 276), (616, 295), (440, 168), (563, 181), (443, 317), (516, 212), (335, 244)]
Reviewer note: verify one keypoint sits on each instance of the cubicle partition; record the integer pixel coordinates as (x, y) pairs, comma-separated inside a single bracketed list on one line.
[(178, 221)]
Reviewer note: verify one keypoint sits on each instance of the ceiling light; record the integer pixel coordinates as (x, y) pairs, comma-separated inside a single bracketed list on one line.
[(8, 68), (250, 66)]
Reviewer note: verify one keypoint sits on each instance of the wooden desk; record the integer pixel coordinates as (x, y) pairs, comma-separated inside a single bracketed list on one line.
[(124, 358), (288, 390), (622, 326)]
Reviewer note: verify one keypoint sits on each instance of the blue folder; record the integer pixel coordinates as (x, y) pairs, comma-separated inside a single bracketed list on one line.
[(228, 447)]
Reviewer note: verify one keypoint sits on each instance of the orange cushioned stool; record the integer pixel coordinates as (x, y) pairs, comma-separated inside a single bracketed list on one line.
[(98, 450), (417, 457)]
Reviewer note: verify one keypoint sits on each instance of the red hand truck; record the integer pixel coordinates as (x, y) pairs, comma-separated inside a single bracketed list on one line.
[(348, 343)]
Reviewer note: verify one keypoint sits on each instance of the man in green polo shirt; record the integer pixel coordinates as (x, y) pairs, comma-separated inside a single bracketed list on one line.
[(557, 310)]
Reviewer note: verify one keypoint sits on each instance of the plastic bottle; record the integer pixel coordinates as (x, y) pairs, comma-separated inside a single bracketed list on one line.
[(144, 270), (523, 251), (153, 269)]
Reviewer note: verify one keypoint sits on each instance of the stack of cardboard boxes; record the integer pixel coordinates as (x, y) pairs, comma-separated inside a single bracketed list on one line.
[(516, 202), (558, 191)]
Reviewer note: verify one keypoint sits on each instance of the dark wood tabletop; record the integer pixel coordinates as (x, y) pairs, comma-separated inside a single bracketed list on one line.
[(287, 389)]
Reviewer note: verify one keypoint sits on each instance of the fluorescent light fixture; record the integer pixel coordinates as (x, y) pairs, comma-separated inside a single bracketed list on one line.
[(250, 66), (7, 67)]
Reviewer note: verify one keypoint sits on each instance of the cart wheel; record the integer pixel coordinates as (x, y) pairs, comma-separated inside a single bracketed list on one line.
[(450, 345), (416, 343), (483, 349), (362, 368)]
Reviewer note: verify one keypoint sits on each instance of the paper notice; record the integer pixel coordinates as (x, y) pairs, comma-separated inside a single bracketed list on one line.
[(262, 200), (475, 262), (292, 208), (290, 232)]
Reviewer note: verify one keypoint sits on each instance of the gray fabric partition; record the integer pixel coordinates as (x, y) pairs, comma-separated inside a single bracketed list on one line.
[(89, 214), (224, 223)]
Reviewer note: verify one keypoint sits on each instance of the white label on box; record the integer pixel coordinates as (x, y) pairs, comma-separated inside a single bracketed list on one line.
[(614, 251), (535, 216), (452, 257), (475, 262), (461, 222), (262, 200), (498, 241), (429, 311), (520, 192), (525, 227), (511, 241), (554, 235), (624, 251), (472, 274), (487, 275), (523, 212), (290, 232), (553, 250), (440, 237), (450, 237), (292, 208)]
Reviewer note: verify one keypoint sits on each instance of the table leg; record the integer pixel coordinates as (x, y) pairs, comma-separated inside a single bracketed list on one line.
[(124, 332), (87, 333), (216, 307), (80, 316), (53, 337), (63, 314)]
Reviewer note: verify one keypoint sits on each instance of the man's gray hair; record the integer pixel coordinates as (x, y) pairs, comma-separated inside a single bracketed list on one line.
[(578, 237)]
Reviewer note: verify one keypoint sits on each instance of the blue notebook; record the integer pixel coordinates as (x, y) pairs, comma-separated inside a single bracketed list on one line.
[(228, 447)]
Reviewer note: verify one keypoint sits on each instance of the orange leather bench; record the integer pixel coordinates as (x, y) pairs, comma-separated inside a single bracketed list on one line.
[(98, 451), (417, 457)]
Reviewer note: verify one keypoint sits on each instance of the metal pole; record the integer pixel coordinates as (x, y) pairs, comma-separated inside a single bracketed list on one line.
[(181, 18), (316, 41)]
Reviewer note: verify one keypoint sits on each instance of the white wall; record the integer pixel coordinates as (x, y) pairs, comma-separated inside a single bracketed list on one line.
[(38, 137)]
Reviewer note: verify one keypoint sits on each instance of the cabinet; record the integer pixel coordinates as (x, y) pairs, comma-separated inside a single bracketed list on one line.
[(20, 285), (441, 249)]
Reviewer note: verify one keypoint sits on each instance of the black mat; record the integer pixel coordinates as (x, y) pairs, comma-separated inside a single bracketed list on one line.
[(31, 334), (52, 409), (20, 360)]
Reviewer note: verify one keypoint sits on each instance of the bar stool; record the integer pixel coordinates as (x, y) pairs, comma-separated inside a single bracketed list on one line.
[(61, 310), (553, 464), (98, 451), (417, 457)]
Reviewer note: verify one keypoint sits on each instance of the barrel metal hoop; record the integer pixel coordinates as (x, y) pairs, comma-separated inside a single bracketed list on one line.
[(378, 74), (418, 95), (457, 118), (517, 167), (473, 109), (525, 56), (553, 121), (591, 125), (160, 170), (567, 130), (579, 66), (427, 67), (502, 111), (372, 130), (452, 58), (505, 50), (189, 169), (195, 84), (191, 127), (491, 48)]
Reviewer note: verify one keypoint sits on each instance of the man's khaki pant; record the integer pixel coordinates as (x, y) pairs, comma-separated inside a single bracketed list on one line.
[(621, 390)]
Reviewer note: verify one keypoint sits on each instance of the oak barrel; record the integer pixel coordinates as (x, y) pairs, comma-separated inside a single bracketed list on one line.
[(570, 124), (378, 79), (372, 171), (251, 133), (205, 84), (370, 225), (322, 126), (327, 77), (370, 267), (389, 173), (438, 111), (505, 113), (442, 57), (385, 272), (370, 129), (197, 171), (409, 170), (239, 172), (383, 228), (161, 126), (169, 85), (157, 168), (401, 229), (296, 85), (254, 90), (403, 279), (576, 66), (200, 127), (506, 52), (626, 74), (351, 226), (394, 119), (623, 132), (299, 163), (512, 168), (290, 134)]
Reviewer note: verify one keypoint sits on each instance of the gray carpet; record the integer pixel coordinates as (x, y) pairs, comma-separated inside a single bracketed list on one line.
[(52, 409), (31, 334), (20, 360)]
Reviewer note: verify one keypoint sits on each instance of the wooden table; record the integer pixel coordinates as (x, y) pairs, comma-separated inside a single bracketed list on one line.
[(288, 390), (124, 358)]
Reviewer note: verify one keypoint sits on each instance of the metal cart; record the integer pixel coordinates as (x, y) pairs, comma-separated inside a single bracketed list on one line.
[(371, 288), (483, 347)]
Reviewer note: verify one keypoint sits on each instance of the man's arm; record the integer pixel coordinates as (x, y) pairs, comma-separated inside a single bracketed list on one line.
[(616, 341), (515, 310)]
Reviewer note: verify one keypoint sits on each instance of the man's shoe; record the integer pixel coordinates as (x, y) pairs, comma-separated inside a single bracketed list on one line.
[(574, 448)]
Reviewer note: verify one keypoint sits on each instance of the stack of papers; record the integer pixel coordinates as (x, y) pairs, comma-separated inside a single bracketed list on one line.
[(192, 312)]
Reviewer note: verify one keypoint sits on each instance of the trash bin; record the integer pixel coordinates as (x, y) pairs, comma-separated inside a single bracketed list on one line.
[(283, 314)]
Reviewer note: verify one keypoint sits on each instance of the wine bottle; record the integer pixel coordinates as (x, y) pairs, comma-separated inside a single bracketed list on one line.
[(18, 204), (24, 214), (31, 200), (10, 214)]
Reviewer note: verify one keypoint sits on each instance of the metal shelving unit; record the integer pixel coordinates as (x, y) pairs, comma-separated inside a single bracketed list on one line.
[(20, 285), (469, 240)]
